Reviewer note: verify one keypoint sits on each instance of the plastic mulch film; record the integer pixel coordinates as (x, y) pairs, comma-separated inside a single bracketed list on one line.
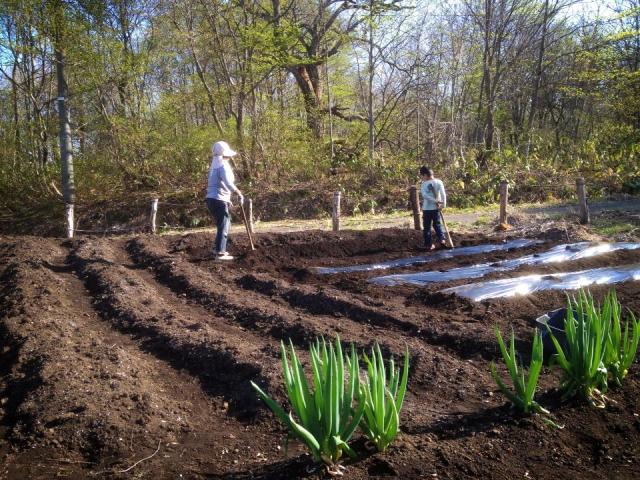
[(559, 253), (432, 257), (510, 287)]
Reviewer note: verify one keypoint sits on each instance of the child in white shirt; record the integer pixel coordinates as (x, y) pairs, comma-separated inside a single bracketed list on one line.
[(434, 198)]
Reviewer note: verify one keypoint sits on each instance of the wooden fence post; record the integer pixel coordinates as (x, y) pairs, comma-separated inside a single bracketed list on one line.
[(504, 198), (250, 213), (414, 202), (335, 218), (68, 210), (582, 200), (154, 211)]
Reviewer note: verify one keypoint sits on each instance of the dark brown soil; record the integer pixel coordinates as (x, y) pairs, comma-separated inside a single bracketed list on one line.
[(114, 350)]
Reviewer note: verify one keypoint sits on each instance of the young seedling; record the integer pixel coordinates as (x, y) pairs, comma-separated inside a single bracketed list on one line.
[(323, 417), (383, 401), (524, 388), (621, 348), (583, 364)]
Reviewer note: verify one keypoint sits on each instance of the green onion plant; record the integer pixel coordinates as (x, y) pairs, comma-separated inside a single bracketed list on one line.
[(323, 417), (524, 388), (587, 332), (383, 395), (621, 347)]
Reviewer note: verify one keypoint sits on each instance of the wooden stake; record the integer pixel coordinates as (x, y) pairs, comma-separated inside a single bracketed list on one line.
[(335, 217), (582, 201), (504, 198), (68, 210), (414, 202), (154, 212)]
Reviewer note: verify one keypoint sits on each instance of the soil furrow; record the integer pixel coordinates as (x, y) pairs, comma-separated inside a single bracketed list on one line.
[(20, 372), (428, 362), (223, 361), (318, 302), (252, 310), (105, 399), (379, 307), (329, 301), (247, 308)]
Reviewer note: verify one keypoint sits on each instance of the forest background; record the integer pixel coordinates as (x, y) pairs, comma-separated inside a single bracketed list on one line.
[(317, 96)]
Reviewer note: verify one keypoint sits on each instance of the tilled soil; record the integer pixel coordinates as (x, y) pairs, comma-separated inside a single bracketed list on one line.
[(117, 350)]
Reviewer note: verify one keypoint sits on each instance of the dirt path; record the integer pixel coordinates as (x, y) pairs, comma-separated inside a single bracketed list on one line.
[(458, 220), (597, 206)]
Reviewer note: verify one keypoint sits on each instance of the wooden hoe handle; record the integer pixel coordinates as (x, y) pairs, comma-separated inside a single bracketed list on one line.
[(246, 224)]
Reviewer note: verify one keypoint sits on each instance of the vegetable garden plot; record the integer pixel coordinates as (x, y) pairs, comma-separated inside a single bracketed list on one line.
[(559, 253), (527, 284), (439, 255), (113, 345)]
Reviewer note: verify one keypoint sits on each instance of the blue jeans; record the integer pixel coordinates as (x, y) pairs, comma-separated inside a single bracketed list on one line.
[(220, 212), (428, 217)]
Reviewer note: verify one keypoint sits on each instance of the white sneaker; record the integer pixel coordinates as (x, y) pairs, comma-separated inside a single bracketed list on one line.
[(224, 256)]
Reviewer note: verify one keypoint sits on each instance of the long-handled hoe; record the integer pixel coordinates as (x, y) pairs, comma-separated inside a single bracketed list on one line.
[(246, 224), (446, 229)]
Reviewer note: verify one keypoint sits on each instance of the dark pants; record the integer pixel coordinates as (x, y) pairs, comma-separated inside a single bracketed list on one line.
[(428, 217), (220, 213)]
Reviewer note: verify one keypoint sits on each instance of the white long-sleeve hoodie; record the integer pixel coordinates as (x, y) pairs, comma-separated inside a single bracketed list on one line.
[(221, 180), (432, 191)]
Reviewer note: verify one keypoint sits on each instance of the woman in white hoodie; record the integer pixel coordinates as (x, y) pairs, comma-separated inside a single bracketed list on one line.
[(219, 189)]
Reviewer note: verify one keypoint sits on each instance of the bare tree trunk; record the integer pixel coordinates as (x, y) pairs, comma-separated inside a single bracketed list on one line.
[(538, 77), (477, 134), (16, 113), (241, 100), (489, 128), (370, 91), (68, 185), (329, 106), (207, 88), (308, 79)]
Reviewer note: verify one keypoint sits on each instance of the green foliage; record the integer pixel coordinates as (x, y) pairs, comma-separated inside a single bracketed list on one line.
[(524, 388), (612, 226), (143, 119), (587, 332), (325, 417), (632, 186), (621, 347), (383, 395)]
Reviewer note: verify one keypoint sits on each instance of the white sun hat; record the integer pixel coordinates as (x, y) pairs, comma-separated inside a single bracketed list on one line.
[(222, 149)]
